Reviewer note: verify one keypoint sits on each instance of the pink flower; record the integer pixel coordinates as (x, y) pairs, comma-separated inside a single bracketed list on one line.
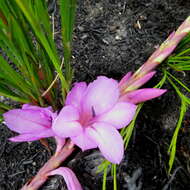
[(69, 177), (92, 116), (32, 122), (129, 89)]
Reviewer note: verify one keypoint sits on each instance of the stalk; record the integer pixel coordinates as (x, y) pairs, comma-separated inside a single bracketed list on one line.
[(166, 48), (54, 162)]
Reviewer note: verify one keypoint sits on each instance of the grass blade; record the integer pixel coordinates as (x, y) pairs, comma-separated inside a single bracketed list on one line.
[(25, 6), (68, 11), (183, 108)]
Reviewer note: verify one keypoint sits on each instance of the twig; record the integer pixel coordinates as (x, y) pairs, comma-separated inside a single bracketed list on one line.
[(54, 81)]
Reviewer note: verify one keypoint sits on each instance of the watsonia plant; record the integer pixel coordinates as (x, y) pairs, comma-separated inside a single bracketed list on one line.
[(27, 75)]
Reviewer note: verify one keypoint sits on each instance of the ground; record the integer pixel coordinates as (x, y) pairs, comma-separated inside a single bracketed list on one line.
[(113, 37)]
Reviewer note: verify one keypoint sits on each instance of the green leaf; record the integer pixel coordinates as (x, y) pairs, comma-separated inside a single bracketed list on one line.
[(172, 147), (179, 82), (13, 77), (126, 132), (103, 167), (67, 11), (183, 44), (183, 108), (5, 106), (162, 81), (25, 6), (13, 96)]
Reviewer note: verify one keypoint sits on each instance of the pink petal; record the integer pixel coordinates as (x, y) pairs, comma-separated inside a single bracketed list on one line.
[(84, 142), (120, 115), (33, 136), (138, 83), (66, 124), (125, 79), (101, 95), (32, 107), (67, 129), (142, 95), (26, 121), (109, 141), (48, 111), (67, 113), (69, 177), (75, 96)]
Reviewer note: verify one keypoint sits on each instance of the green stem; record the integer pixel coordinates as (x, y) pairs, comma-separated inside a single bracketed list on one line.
[(104, 179)]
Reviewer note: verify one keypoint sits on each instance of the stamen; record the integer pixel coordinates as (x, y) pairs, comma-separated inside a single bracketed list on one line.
[(93, 112)]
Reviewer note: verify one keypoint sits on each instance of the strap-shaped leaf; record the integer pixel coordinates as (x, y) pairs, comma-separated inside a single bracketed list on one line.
[(10, 94), (68, 11), (25, 6)]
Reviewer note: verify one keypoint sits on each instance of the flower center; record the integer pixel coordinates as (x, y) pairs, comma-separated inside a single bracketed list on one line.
[(87, 119)]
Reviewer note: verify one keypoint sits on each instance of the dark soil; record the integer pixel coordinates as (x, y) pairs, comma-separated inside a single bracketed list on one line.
[(111, 38)]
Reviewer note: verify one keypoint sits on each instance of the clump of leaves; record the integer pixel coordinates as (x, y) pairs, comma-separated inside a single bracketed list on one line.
[(29, 62)]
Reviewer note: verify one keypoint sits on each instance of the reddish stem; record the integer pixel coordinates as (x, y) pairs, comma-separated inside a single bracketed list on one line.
[(54, 162)]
